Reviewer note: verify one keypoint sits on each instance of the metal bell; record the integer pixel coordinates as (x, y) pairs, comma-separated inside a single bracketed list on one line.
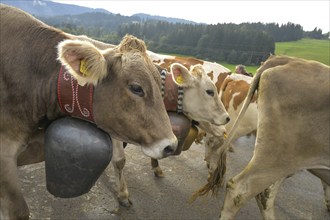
[(76, 154), (180, 126)]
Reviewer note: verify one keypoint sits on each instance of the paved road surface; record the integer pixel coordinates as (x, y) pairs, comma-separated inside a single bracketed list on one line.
[(300, 197)]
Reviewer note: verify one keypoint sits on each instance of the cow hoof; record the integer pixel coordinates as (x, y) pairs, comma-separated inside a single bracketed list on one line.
[(158, 173), (125, 203)]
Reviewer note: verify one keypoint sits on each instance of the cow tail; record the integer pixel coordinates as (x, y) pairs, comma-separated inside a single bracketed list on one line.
[(253, 87), (217, 178)]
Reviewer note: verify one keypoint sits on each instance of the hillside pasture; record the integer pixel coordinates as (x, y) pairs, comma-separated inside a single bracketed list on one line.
[(310, 49)]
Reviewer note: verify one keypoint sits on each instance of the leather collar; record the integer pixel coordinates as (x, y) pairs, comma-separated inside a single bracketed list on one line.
[(73, 99), (172, 93), (77, 101)]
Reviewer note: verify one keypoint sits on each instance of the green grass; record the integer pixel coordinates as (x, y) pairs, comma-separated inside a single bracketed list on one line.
[(310, 49), (250, 69)]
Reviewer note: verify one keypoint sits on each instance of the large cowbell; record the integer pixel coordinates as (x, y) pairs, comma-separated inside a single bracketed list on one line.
[(180, 126), (76, 154)]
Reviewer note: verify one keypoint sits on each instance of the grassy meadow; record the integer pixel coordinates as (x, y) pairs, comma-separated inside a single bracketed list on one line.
[(310, 49)]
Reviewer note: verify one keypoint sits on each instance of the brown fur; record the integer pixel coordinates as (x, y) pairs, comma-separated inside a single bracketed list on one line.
[(29, 64), (220, 80), (293, 108), (231, 87), (186, 61)]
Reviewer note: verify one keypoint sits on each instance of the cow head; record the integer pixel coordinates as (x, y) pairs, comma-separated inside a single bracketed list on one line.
[(200, 100), (127, 100)]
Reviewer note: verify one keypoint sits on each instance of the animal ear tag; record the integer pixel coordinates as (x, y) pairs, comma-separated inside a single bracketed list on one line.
[(225, 135), (179, 80), (83, 68), (178, 76)]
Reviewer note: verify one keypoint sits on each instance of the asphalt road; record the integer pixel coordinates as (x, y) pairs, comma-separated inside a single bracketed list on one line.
[(300, 196)]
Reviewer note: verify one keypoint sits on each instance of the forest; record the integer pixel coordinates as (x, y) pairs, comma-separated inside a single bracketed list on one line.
[(246, 43)]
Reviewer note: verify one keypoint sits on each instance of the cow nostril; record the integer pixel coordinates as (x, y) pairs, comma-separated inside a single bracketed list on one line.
[(168, 150), (227, 119)]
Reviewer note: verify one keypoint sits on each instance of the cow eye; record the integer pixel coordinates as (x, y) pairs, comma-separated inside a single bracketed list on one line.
[(136, 89), (210, 92)]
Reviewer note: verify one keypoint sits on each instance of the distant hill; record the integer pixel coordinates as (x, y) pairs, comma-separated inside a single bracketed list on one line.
[(161, 18), (44, 8), (92, 21), (48, 9)]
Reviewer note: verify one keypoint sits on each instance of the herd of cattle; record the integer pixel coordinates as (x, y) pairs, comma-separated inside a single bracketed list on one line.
[(286, 105)]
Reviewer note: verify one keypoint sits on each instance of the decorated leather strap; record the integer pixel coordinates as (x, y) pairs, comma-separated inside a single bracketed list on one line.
[(172, 93), (74, 100)]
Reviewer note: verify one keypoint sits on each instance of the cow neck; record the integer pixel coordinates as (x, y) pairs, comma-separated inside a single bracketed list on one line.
[(73, 99), (172, 93)]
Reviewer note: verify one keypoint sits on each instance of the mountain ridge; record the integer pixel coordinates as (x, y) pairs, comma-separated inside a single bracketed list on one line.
[(48, 9)]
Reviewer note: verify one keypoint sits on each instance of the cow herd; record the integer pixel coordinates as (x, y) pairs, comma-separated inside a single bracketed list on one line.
[(285, 105)]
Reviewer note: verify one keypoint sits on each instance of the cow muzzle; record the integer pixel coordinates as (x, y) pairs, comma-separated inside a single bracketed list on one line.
[(161, 149), (224, 119)]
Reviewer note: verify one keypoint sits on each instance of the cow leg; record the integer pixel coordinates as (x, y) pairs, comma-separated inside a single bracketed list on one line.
[(324, 176), (326, 189), (266, 200), (13, 205), (156, 168), (251, 181), (118, 161), (35, 151)]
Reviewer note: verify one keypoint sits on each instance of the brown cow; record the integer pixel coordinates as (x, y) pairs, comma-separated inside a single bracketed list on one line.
[(293, 133), (127, 101), (233, 92)]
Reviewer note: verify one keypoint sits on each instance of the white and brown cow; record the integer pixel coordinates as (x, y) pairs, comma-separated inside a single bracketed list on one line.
[(127, 101), (216, 72), (293, 133), (232, 92)]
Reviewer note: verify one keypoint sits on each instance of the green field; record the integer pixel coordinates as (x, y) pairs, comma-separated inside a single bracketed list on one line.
[(310, 49), (250, 69), (306, 48)]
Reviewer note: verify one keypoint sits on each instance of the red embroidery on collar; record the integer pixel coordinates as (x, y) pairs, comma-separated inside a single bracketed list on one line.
[(74, 100)]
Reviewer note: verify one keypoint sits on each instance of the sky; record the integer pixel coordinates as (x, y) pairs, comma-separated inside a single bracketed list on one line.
[(309, 14)]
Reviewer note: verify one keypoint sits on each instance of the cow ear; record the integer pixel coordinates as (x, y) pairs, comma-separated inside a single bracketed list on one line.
[(83, 60), (181, 75)]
